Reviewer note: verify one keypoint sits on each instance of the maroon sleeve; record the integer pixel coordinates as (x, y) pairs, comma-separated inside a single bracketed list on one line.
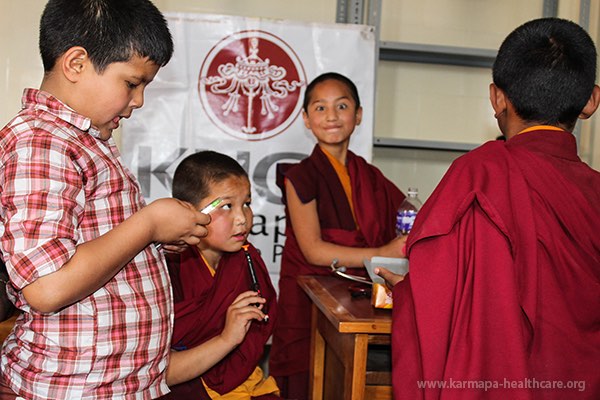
[(458, 316), (302, 176), (502, 289)]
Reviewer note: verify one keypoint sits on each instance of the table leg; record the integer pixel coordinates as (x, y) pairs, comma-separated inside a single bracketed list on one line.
[(355, 373), (346, 377), (317, 359)]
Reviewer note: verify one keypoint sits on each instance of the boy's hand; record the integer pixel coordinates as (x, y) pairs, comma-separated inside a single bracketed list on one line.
[(191, 363), (390, 278), (240, 315), (396, 248), (176, 222)]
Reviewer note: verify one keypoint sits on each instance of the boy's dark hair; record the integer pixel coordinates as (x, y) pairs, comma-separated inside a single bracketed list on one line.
[(196, 172), (547, 69), (326, 77), (110, 30)]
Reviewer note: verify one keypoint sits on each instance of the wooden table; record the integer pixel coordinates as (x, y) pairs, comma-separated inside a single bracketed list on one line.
[(344, 329)]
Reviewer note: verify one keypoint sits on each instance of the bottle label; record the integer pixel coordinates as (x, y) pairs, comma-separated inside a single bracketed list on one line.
[(405, 220)]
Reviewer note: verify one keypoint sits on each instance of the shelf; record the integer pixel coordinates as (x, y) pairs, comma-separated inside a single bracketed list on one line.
[(434, 54), (423, 144)]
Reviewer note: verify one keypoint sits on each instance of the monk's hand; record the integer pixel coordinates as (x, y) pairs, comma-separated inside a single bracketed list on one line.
[(388, 276), (245, 308)]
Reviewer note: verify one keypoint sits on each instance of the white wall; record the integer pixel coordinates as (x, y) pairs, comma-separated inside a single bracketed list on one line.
[(412, 100), (21, 65), (450, 103)]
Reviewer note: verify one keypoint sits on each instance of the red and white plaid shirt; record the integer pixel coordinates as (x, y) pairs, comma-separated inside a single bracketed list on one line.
[(60, 185)]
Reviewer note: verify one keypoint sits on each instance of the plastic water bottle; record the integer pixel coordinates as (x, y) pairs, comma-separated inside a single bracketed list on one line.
[(407, 212)]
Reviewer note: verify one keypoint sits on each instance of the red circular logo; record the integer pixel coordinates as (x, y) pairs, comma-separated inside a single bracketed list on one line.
[(251, 85)]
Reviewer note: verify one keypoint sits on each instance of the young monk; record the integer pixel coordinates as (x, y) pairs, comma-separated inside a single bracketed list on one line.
[(209, 277), (337, 207), (504, 281)]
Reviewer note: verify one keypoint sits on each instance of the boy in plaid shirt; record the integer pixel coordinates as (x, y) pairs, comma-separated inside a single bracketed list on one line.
[(76, 236)]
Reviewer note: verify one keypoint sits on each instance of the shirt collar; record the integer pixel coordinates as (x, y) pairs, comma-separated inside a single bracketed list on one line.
[(34, 98), (541, 128), (554, 142)]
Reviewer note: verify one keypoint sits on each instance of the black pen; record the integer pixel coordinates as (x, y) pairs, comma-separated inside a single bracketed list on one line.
[(254, 286)]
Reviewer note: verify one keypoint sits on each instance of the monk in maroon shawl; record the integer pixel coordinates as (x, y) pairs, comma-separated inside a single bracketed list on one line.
[(502, 300), (201, 302), (224, 299), (337, 206)]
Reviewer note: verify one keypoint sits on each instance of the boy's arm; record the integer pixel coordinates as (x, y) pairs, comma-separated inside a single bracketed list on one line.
[(189, 364), (97, 261), (307, 229)]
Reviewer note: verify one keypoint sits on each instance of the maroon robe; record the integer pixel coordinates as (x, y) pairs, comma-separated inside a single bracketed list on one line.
[(375, 199), (504, 282), (201, 303)]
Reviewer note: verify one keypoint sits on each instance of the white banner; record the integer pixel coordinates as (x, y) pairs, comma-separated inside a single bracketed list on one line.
[(236, 85)]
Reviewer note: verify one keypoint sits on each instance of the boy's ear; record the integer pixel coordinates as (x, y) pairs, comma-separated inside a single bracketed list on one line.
[(592, 104), (305, 118), (74, 62), (498, 100), (359, 114)]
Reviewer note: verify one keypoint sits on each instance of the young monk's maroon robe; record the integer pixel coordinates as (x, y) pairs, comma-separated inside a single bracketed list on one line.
[(375, 200), (201, 303), (502, 300)]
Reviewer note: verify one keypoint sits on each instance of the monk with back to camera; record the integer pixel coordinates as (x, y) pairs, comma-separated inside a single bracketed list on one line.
[(502, 300)]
